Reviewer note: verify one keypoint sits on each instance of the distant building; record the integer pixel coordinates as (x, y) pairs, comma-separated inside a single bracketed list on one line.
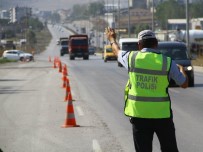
[(156, 2), (64, 14), (4, 14), (197, 23), (174, 24), (17, 13), (110, 19), (138, 16), (139, 4), (111, 7), (194, 24)]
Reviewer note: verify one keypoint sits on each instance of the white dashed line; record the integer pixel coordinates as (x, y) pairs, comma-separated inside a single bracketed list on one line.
[(79, 110), (96, 146)]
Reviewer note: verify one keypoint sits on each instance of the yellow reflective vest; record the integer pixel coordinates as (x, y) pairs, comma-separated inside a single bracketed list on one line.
[(146, 93)]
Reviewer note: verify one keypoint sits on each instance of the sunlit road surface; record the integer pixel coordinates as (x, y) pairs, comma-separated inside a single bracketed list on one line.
[(33, 110)]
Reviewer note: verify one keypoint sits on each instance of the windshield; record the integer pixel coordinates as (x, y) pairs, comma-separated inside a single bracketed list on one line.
[(64, 42), (79, 42), (175, 52), (20, 51), (91, 49), (130, 46), (109, 50)]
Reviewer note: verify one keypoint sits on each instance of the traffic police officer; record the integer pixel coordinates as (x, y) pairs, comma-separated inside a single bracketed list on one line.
[(147, 101)]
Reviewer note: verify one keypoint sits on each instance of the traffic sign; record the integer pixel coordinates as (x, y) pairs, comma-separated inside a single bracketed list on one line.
[(121, 30)]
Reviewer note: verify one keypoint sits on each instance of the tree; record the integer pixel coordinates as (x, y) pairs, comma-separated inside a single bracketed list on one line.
[(169, 9), (4, 22), (96, 8), (79, 11), (86, 10), (55, 18), (31, 38), (139, 27), (35, 24), (9, 33), (196, 9)]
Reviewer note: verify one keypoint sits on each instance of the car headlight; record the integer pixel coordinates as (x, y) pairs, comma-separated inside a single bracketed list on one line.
[(188, 68)]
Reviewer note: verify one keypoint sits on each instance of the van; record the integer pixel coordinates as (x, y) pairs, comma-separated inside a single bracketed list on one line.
[(64, 46), (108, 53), (128, 44)]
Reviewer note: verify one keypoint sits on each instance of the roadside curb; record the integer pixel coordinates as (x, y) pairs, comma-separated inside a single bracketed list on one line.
[(198, 68)]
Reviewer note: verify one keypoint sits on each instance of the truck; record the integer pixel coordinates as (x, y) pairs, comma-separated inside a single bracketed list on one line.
[(195, 39), (78, 46), (7, 44)]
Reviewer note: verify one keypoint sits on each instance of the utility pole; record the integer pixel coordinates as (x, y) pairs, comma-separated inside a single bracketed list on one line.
[(107, 9), (118, 19), (187, 27), (152, 15), (113, 25), (113, 5), (89, 17), (128, 18)]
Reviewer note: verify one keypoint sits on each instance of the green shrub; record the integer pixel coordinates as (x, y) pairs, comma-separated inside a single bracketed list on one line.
[(3, 60)]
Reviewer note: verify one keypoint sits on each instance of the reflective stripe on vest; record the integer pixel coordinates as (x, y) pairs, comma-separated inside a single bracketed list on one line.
[(151, 99), (147, 71), (146, 99)]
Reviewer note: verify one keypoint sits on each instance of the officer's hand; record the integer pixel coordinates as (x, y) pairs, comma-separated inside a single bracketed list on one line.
[(110, 34), (182, 70), (180, 67)]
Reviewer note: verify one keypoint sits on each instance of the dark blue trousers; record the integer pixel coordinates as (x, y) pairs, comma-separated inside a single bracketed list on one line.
[(144, 129)]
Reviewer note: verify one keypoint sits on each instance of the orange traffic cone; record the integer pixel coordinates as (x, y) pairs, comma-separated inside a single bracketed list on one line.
[(57, 61), (68, 96), (67, 89), (70, 117), (54, 66), (60, 66), (64, 70), (64, 81)]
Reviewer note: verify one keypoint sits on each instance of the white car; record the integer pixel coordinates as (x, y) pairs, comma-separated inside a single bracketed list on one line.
[(17, 55)]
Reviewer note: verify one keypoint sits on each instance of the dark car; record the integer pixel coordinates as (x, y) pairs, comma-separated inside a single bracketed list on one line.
[(178, 52), (92, 50), (64, 47)]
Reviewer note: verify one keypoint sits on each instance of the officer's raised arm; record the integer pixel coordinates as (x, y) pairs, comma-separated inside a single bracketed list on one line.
[(111, 36)]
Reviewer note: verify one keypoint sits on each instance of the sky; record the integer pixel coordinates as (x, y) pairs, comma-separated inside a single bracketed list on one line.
[(48, 4), (43, 4)]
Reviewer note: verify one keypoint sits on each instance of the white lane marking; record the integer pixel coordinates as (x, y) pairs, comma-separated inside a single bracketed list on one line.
[(174, 91), (79, 110), (96, 146)]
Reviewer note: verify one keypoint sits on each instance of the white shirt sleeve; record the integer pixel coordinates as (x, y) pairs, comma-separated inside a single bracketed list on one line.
[(123, 58), (175, 74)]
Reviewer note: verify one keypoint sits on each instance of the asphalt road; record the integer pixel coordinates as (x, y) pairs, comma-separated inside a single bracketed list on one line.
[(33, 109)]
